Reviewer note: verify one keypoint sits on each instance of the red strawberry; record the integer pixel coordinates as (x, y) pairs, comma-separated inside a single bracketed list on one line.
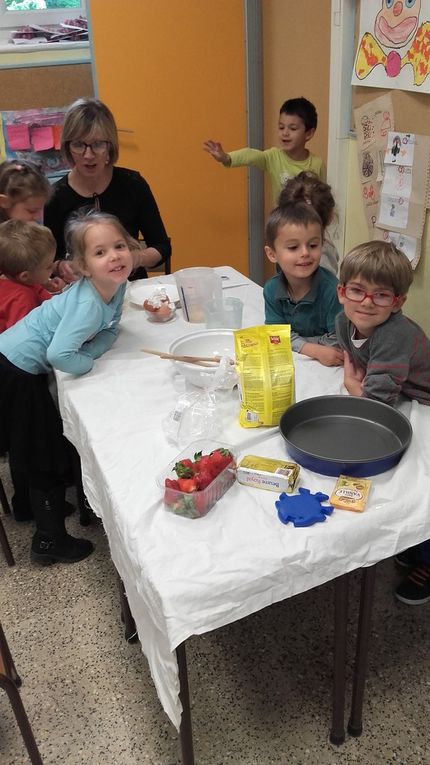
[(200, 502), (220, 458), (204, 477), (184, 469), (187, 484), (170, 495)]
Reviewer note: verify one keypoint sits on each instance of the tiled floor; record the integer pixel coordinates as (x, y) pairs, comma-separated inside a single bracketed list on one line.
[(260, 687)]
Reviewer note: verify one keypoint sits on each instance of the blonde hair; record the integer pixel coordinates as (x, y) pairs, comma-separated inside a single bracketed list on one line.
[(24, 246), (20, 180), (77, 227), (308, 187), (380, 263), (84, 119)]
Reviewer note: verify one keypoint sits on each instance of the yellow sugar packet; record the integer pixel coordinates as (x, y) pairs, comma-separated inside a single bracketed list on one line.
[(264, 363), (350, 493)]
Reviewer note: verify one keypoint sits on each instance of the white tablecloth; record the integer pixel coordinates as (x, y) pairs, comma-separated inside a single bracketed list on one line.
[(185, 577)]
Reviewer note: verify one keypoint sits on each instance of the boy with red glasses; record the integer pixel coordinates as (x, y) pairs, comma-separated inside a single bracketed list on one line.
[(386, 354)]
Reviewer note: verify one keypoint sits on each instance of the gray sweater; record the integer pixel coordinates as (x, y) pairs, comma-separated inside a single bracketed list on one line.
[(396, 358)]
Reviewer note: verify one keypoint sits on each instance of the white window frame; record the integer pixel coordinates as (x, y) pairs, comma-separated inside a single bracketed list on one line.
[(11, 19), (341, 63)]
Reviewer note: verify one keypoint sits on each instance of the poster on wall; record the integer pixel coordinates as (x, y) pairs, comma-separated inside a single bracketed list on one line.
[(394, 45), (35, 135)]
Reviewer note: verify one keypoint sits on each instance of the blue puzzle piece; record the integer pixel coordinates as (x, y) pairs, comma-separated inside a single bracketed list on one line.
[(302, 509)]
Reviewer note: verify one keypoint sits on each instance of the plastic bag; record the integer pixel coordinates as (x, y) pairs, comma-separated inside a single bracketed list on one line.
[(198, 414)]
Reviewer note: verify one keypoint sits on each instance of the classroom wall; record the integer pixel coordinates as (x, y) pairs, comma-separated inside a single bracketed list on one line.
[(36, 87), (356, 232), (187, 61), (296, 62), (173, 74)]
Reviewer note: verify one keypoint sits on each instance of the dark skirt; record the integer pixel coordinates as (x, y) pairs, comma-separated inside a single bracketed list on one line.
[(31, 429)]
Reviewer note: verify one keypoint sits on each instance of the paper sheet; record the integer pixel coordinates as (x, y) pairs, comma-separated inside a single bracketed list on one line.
[(18, 137), (42, 138)]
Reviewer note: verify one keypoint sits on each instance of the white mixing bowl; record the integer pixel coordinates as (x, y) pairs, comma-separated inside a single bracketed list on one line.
[(205, 342)]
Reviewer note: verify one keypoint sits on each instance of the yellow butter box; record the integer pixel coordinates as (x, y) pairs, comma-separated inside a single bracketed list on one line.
[(265, 473), (350, 493)]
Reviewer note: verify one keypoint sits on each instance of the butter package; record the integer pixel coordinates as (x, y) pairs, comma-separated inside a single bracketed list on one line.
[(265, 473), (350, 493)]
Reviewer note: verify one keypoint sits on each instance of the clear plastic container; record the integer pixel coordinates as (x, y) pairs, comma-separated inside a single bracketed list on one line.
[(196, 504)]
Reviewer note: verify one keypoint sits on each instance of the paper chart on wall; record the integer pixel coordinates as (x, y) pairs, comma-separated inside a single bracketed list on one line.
[(373, 121), (398, 181), (408, 244), (393, 211), (400, 149)]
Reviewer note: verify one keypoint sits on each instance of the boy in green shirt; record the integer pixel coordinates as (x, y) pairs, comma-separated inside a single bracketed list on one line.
[(298, 121)]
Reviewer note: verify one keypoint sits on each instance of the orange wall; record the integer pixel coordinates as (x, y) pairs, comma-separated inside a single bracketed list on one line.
[(296, 43), (172, 71)]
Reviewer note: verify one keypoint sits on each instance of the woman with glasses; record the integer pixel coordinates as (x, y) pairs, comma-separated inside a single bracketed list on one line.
[(89, 141)]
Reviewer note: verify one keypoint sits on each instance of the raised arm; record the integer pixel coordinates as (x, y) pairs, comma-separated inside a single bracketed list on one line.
[(216, 151)]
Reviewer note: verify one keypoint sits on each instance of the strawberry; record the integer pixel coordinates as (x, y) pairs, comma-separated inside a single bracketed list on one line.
[(204, 477), (220, 458), (200, 502), (184, 469), (202, 462), (187, 484), (170, 495)]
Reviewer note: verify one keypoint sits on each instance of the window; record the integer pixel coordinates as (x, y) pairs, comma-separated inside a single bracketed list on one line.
[(21, 12)]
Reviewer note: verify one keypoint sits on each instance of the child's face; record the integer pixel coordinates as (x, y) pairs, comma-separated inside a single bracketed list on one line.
[(363, 313), (293, 135), (31, 209), (43, 273), (108, 260), (297, 250)]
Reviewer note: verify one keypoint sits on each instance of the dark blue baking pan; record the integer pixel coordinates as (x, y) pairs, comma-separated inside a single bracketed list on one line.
[(347, 435)]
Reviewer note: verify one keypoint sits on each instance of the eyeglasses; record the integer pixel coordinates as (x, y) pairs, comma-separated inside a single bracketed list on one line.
[(381, 298), (80, 147)]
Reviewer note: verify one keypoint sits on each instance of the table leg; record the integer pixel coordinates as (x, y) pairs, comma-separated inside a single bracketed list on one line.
[(355, 725), (337, 733), (130, 633), (186, 729)]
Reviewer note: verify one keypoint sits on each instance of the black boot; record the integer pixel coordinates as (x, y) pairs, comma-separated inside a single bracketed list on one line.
[(21, 505), (51, 541)]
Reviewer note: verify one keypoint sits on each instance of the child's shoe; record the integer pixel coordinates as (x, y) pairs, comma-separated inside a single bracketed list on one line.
[(415, 588), (51, 541), (65, 549)]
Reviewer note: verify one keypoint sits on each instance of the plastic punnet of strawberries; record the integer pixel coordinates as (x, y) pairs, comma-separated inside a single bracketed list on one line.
[(200, 482)]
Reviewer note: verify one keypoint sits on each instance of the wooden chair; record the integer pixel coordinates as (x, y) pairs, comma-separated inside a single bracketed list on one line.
[(3, 499), (4, 542), (10, 682)]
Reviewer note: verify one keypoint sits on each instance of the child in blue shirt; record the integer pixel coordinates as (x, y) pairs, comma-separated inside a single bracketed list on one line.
[(303, 294), (68, 333)]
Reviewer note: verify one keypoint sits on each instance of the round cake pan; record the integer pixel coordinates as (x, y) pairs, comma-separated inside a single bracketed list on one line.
[(347, 435)]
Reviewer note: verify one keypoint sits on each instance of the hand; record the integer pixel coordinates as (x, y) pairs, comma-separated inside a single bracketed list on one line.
[(352, 377), (55, 284), (216, 151), (328, 355), (66, 272)]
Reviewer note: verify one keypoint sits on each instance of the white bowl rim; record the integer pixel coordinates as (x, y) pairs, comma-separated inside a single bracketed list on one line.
[(199, 333)]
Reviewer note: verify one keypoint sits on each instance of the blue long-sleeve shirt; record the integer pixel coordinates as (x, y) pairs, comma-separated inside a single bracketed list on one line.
[(67, 332)]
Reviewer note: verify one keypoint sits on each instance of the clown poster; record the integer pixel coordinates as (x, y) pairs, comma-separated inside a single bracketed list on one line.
[(394, 45)]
